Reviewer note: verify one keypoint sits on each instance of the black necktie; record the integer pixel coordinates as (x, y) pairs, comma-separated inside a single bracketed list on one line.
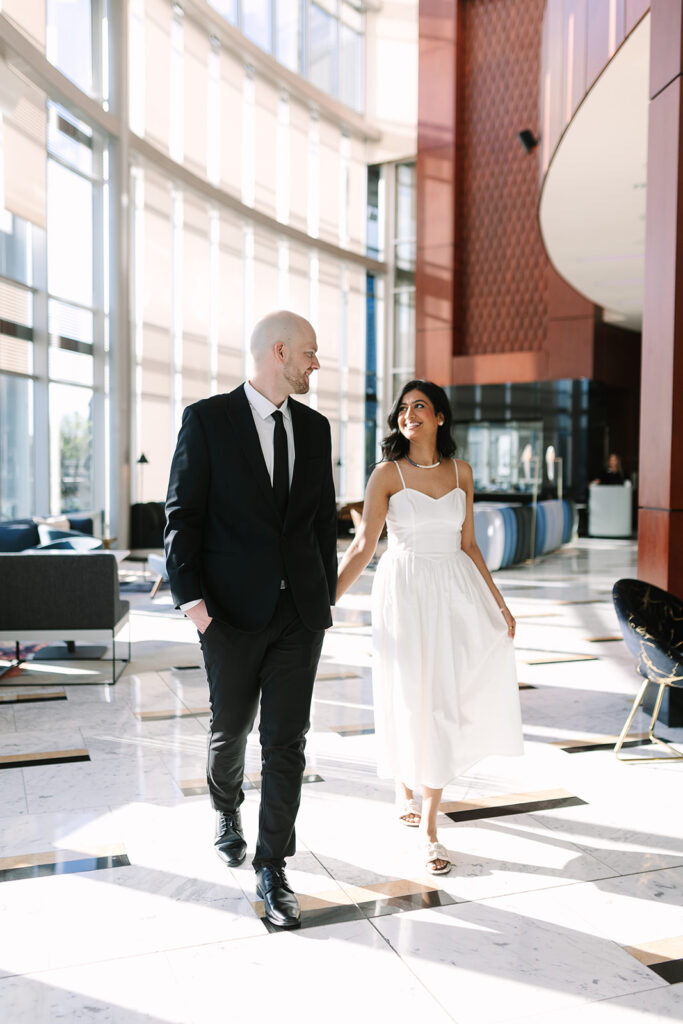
[(280, 464)]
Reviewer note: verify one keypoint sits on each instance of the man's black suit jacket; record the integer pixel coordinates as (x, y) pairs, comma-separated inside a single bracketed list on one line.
[(224, 538)]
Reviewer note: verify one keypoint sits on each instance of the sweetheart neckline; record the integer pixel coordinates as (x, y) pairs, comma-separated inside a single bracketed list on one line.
[(424, 493)]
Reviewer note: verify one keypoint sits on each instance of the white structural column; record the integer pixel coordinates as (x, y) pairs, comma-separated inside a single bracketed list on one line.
[(121, 363)]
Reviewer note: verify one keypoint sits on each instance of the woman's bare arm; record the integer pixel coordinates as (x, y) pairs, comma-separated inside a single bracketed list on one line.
[(471, 548), (381, 486)]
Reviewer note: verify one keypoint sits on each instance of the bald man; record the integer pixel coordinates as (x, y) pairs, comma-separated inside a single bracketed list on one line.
[(251, 554)]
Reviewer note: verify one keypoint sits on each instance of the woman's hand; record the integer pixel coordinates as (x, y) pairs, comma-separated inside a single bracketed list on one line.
[(510, 622)]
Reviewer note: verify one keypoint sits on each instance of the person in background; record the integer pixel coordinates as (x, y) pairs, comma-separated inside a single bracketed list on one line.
[(613, 472)]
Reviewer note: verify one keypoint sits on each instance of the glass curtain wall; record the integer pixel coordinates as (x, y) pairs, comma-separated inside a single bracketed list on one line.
[(223, 271), (53, 267), (202, 270), (322, 40), (404, 242)]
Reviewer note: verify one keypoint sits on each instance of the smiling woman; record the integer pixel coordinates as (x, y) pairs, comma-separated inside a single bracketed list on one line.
[(419, 401), (445, 687)]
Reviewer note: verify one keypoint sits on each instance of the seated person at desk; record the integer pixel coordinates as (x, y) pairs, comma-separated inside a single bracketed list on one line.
[(613, 472)]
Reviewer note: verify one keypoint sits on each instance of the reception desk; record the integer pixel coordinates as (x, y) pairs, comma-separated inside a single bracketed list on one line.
[(610, 510)]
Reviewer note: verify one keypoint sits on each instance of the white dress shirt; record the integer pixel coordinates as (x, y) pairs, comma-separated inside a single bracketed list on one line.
[(262, 409)]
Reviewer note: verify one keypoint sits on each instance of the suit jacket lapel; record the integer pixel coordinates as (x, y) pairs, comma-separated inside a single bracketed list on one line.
[(241, 419)]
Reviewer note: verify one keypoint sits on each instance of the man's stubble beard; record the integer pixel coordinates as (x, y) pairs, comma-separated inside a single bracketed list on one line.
[(298, 383)]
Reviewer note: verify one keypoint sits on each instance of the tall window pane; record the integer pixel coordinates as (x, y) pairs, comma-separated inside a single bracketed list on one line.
[(69, 40), (228, 8), (69, 139), (16, 248), (322, 52), (256, 22), (16, 447), (406, 214), (69, 235), (287, 37), (351, 69), (70, 448), (404, 337)]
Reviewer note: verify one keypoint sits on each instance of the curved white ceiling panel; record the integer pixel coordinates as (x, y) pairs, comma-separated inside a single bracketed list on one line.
[(592, 206)]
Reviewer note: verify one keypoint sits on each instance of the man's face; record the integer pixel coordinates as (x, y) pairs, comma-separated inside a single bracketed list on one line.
[(300, 362)]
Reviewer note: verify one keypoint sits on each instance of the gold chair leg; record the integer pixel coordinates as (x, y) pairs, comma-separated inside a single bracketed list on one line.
[(157, 583), (674, 755), (629, 721)]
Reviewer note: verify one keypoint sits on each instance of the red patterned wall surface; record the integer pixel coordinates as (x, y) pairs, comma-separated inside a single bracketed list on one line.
[(503, 284)]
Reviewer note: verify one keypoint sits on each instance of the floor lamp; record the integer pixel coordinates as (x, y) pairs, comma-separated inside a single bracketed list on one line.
[(142, 462)]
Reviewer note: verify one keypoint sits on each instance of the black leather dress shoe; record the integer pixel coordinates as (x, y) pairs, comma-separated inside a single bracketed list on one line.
[(281, 905), (229, 841)]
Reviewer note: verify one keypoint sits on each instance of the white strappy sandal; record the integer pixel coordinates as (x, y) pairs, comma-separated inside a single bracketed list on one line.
[(437, 852), (407, 808)]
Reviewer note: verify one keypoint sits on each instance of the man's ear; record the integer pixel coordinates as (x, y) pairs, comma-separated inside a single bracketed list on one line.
[(280, 350)]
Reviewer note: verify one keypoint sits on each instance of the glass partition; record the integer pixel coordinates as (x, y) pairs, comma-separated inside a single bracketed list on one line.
[(503, 456)]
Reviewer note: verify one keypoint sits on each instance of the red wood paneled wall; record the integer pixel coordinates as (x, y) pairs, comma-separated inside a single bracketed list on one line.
[(489, 307), (660, 518)]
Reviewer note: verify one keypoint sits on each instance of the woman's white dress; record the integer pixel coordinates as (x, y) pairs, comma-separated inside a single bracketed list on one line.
[(444, 677)]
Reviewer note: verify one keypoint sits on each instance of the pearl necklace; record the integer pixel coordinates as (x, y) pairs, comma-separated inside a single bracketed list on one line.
[(418, 466)]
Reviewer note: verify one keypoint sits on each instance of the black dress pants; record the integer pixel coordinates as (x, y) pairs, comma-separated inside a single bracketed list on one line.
[(277, 664)]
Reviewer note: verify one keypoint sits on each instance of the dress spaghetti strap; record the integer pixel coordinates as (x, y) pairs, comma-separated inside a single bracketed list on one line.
[(457, 477), (401, 475)]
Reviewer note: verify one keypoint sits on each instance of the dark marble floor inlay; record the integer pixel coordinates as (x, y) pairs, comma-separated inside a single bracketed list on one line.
[(669, 970), (586, 748), (354, 730), (507, 804), (48, 757), (31, 698), (560, 658), (198, 787), (323, 916), (401, 904), (169, 715), (38, 865), (662, 956), (363, 906)]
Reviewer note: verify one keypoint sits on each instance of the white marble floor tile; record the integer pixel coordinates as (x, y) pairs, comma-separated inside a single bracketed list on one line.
[(141, 747), (96, 717), (628, 909), (512, 854), (132, 689), (544, 902), (338, 974), (33, 741), (653, 1006), (122, 991), (487, 962), (112, 913), (39, 833), (175, 839), (7, 723), (604, 833), (105, 782), (12, 793)]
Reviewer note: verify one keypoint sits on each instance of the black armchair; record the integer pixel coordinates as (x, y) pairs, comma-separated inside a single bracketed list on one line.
[(651, 621)]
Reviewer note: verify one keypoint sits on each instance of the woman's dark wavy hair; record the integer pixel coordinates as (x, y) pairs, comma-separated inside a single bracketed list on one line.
[(395, 445)]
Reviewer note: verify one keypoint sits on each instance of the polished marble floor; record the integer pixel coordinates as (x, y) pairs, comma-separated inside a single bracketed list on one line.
[(565, 901)]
